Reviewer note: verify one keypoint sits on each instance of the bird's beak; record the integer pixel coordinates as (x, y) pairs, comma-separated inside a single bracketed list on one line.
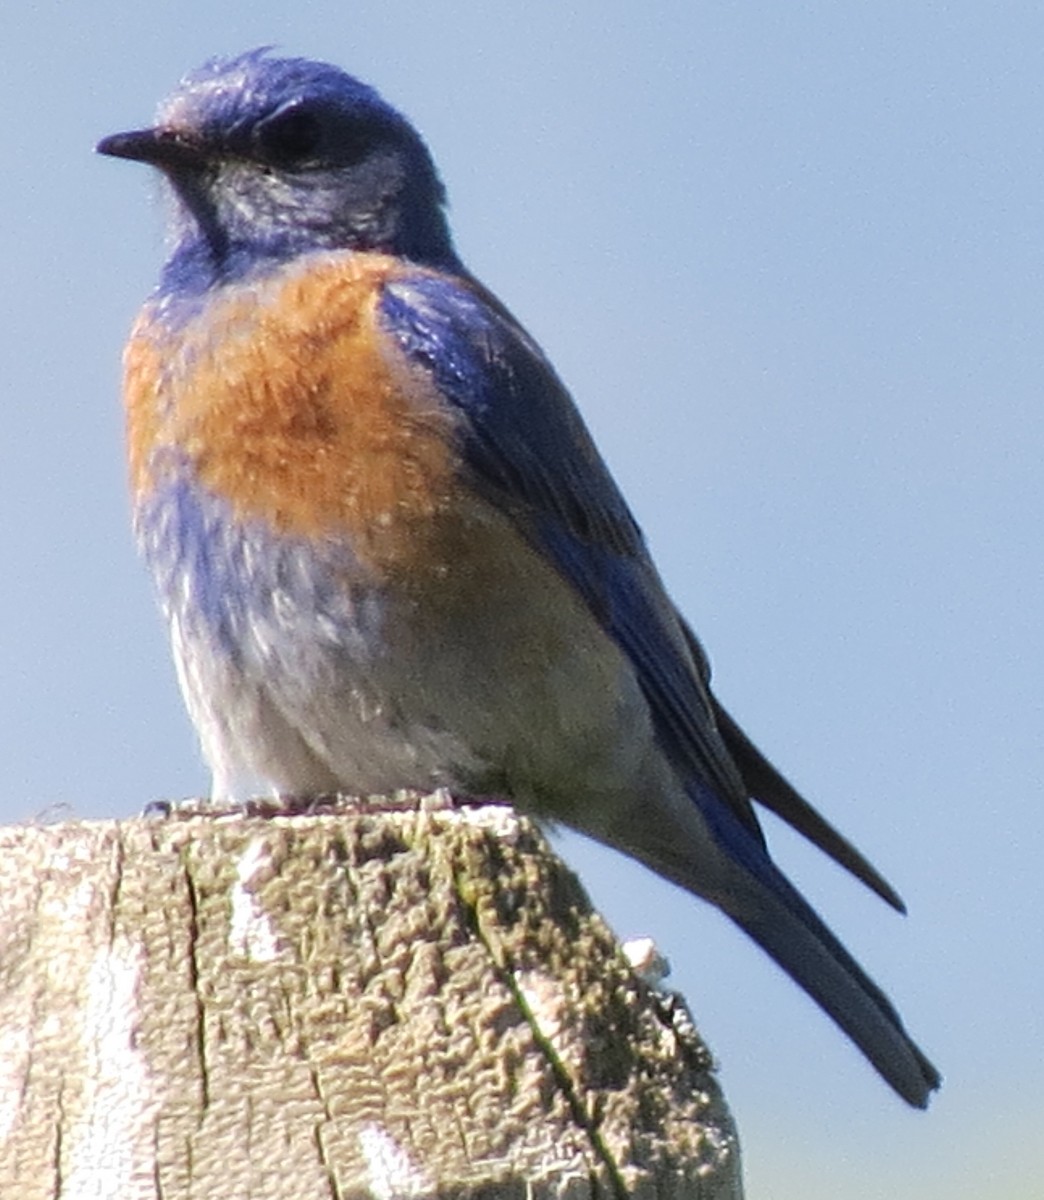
[(168, 149)]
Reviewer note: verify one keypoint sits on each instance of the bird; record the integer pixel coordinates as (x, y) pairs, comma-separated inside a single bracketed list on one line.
[(388, 551)]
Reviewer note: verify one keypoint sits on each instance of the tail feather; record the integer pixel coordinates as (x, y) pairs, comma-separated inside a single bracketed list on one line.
[(782, 922), (738, 876), (766, 785)]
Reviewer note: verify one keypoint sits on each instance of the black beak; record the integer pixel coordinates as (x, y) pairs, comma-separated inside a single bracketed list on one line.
[(168, 149)]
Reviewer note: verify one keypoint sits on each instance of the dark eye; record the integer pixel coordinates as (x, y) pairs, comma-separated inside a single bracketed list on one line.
[(289, 137)]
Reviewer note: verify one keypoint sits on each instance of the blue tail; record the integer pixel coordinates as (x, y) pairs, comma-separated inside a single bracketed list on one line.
[(749, 888)]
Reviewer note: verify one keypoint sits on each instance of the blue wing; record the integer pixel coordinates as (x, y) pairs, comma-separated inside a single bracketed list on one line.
[(527, 445)]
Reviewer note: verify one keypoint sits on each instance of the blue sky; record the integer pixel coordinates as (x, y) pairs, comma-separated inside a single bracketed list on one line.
[(789, 258)]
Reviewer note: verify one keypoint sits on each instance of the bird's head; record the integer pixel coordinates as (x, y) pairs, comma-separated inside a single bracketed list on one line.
[(271, 157)]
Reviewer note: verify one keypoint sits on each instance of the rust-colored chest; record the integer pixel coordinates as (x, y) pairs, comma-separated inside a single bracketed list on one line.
[(287, 400)]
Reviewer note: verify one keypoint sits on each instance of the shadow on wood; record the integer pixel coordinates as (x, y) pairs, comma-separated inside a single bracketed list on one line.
[(383, 1001)]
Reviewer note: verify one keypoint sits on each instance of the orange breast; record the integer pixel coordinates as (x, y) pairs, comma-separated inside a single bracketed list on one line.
[(289, 401)]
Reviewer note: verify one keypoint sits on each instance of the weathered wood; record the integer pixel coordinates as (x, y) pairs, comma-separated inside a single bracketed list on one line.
[(363, 1002)]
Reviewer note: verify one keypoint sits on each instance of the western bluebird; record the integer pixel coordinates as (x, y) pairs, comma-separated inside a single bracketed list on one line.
[(387, 548)]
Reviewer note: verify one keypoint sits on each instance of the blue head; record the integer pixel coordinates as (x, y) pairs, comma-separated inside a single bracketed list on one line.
[(271, 157)]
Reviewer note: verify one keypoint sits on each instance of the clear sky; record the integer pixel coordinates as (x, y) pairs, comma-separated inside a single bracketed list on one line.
[(789, 258)]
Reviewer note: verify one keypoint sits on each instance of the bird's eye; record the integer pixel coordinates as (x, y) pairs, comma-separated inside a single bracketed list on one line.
[(289, 137)]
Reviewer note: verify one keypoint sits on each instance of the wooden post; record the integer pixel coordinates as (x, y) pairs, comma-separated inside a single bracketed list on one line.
[(363, 1000)]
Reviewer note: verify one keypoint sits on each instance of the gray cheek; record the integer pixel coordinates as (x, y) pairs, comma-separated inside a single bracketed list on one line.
[(260, 206)]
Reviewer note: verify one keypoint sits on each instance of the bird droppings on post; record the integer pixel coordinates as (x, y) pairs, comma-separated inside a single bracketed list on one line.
[(116, 1108), (647, 961), (393, 1175), (251, 932)]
